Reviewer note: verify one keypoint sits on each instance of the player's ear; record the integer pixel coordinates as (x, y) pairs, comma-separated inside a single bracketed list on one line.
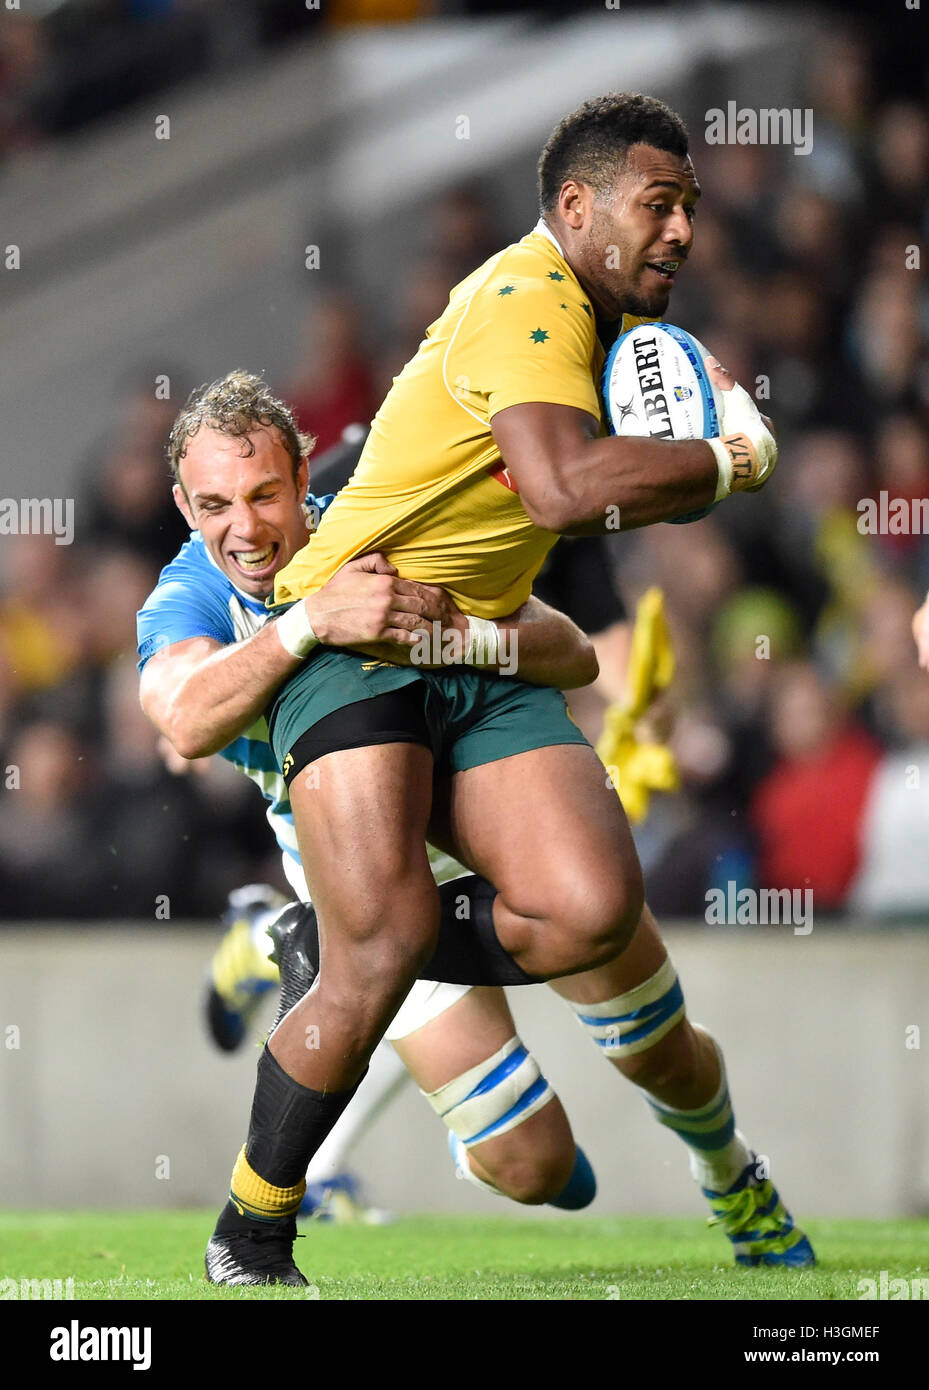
[(573, 203), (302, 479), (183, 505)]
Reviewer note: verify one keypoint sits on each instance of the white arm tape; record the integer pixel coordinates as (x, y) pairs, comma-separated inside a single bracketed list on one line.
[(295, 631), (724, 464), (483, 645)]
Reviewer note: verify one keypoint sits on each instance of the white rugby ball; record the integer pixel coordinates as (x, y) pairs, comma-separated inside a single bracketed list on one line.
[(655, 382)]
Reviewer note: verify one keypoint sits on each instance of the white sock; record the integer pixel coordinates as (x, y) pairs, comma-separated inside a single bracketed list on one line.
[(716, 1169), (719, 1170), (386, 1074)]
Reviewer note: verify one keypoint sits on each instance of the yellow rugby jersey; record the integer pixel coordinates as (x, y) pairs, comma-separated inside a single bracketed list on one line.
[(430, 490)]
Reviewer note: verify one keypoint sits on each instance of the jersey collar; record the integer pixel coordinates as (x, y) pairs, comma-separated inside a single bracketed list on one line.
[(546, 231), (611, 330)]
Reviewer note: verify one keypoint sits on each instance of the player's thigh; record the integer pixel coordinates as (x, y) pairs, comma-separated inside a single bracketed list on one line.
[(545, 828), (360, 815), (355, 750)]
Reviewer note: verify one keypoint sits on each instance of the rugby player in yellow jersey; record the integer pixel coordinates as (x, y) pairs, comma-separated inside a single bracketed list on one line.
[(489, 445)]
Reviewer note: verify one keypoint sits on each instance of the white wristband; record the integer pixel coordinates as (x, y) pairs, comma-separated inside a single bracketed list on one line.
[(296, 631), (724, 464), (483, 644)]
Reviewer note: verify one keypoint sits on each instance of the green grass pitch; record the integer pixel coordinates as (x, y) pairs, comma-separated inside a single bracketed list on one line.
[(158, 1255)]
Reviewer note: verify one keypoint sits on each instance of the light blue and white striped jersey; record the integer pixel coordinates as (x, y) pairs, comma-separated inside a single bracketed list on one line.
[(194, 598)]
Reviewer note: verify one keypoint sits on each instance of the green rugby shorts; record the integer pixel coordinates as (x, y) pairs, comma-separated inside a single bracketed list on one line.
[(341, 699)]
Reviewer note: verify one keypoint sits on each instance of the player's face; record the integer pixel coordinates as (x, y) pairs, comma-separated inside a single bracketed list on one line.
[(247, 507), (639, 237)]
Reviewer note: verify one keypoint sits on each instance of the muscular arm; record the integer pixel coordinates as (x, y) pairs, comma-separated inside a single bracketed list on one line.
[(202, 694), (550, 649), (569, 479), (538, 644)]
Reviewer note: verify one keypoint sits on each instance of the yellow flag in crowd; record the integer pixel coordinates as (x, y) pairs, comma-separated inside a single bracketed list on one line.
[(637, 769)]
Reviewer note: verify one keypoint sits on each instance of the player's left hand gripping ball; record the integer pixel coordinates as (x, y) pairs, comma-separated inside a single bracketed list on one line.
[(744, 433), (660, 381)]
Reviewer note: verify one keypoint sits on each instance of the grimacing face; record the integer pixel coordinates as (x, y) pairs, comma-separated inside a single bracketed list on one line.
[(248, 509), (637, 238)]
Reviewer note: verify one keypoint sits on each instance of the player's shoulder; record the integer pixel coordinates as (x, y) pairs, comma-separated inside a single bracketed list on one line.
[(191, 571), (531, 274), (193, 598)]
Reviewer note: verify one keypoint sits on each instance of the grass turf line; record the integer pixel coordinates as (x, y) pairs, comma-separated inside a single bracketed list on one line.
[(159, 1255)]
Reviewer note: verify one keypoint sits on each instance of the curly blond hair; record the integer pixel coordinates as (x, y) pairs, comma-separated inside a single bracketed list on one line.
[(236, 404)]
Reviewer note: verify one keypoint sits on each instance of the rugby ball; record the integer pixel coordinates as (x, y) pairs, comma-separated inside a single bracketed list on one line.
[(655, 382)]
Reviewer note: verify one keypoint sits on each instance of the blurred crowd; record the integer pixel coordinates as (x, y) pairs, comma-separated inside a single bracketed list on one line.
[(98, 826), (801, 724), (803, 720)]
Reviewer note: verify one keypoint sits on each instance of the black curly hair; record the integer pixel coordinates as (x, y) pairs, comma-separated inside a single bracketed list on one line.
[(591, 143)]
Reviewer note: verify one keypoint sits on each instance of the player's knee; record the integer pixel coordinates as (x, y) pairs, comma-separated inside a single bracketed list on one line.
[(600, 924), (627, 904), (381, 938), (531, 1177), (402, 949), (502, 1109), (387, 964), (368, 969)]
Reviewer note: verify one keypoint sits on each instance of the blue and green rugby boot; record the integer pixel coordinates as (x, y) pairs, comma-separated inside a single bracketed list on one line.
[(759, 1225)]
